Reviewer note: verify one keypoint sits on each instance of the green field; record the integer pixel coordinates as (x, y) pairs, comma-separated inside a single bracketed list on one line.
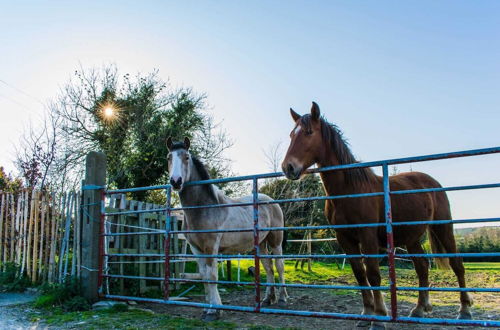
[(485, 274)]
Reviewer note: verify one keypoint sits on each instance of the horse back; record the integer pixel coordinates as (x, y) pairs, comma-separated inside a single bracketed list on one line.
[(416, 206)]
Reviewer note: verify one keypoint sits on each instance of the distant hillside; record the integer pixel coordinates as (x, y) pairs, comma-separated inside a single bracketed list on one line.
[(464, 231), (482, 240), (492, 233)]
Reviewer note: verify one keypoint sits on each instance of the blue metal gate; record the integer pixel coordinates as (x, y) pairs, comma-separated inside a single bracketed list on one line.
[(392, 288)]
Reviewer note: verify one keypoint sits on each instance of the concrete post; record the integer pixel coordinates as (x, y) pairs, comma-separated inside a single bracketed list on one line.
[(95, 175)]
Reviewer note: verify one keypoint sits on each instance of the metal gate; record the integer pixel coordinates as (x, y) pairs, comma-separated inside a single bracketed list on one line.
[(392, 288)]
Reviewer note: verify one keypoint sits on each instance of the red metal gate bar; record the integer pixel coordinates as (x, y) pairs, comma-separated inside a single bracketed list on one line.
[(256, 243), (390, 243), (102, 253), (166, 244)]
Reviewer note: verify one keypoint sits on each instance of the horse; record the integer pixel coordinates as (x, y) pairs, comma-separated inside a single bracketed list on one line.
[(316, 141), (184, 167)]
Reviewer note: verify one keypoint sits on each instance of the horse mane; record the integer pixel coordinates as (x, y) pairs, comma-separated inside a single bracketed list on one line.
[(332, 135), (200, 169)]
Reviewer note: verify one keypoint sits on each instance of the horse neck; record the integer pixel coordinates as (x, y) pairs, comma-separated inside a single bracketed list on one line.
[(334, 182), (196, 195)]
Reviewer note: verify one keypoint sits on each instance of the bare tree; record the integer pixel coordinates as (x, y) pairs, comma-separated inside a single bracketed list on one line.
[(274, 155), (37, 154)]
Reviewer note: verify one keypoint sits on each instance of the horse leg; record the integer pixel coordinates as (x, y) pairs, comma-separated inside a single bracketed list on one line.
[(280, 267), (203, 273), (465, 298), (422, 269), (369, 245), (444, 233), (270, 296), (351, 247), (213, 297)]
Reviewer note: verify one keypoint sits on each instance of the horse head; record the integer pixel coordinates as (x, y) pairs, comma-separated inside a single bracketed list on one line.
[(305, 144), (179, 159)]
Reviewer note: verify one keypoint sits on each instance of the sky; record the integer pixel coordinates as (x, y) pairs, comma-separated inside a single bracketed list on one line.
[(400, 78)]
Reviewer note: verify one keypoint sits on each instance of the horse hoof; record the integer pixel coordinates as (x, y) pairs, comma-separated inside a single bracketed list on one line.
[(363, 324), (266, 302), (377, 326), (282, 303), (209, 317), (465, 316), (417, 312)]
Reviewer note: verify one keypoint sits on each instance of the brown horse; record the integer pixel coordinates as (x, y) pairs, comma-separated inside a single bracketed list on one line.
[(315, 141)]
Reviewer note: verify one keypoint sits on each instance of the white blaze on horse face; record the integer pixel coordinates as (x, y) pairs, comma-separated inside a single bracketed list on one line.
[(297, 129), (177, 168)]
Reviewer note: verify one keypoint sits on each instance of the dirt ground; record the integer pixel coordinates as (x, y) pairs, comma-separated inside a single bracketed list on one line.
[(13, 314), (315, 300)]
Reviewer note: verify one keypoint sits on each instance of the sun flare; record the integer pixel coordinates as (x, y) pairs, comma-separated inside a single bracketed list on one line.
[(110, 113)]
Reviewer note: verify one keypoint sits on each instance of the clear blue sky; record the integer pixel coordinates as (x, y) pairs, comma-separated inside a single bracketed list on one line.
[(400, 78)]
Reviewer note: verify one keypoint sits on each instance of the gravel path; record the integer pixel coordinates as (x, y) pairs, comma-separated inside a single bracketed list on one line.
[(12, 316)]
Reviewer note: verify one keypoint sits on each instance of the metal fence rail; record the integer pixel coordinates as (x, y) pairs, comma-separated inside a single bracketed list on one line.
[(256, 256)]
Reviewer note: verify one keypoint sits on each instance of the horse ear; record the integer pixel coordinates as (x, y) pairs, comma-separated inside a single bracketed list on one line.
[(169, 143), (315, 113), (295, 116), (187, 143)]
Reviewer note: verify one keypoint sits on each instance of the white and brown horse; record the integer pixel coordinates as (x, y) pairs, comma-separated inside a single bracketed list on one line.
[(184, 167)]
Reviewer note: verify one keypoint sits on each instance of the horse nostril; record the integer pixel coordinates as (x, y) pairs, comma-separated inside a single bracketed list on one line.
[(290, 168), (176, 182)]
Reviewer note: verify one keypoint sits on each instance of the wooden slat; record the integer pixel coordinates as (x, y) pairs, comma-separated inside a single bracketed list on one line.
[(77, 236), (42, 234), (2, 223), (67, 232), (31, 221), (34, 270), (12, 227), (46, 249), (60, 236), (53, 240), (25, 229)]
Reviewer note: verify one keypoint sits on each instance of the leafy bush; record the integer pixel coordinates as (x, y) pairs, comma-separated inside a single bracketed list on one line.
[(76, 304), (66, 294), (119, 308), (11, 278)]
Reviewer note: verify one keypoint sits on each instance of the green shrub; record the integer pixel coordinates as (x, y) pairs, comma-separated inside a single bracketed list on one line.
[(119, 308), (11, 278), (66, 295), (76, 304)]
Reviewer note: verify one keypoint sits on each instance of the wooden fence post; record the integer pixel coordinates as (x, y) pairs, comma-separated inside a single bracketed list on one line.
[(95, 175)]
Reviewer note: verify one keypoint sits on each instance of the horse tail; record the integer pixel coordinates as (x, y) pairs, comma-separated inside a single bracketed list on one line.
[(435, 237), (285, 238)]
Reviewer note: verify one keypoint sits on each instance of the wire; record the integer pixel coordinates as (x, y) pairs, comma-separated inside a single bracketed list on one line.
[(22, 92)]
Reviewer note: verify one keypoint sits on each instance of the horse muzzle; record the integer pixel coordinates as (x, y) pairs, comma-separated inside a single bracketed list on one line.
[(176, 183), (291, 171)]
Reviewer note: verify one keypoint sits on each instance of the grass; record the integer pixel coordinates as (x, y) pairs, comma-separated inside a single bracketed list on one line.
[(477, 275), (115, 318)]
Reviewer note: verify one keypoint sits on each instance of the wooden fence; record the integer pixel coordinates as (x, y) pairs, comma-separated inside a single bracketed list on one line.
[(39, 233), (141, 244)]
